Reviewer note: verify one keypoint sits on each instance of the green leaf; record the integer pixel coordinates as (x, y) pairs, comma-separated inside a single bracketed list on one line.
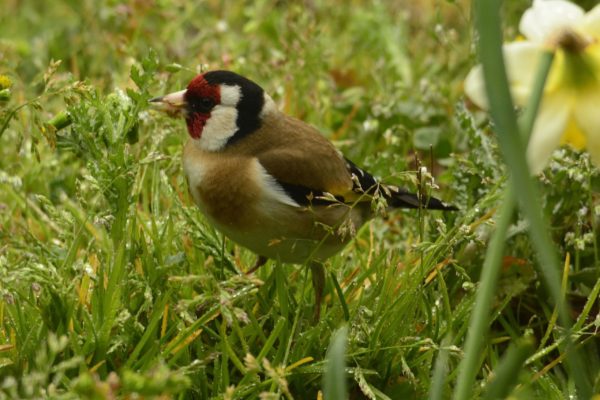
[(426, 137), (334, 379)]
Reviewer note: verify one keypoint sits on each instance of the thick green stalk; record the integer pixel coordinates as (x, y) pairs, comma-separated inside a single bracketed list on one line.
[(513, 150), (479, 323), (537, 91)]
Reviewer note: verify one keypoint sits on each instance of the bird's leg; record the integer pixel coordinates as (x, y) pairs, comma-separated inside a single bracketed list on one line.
[(260, 261), (318, 280)]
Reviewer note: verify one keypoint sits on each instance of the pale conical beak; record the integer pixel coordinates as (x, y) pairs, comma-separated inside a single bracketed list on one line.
[(172, 103)]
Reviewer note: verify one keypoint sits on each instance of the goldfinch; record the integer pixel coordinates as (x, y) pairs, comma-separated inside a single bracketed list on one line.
[(268, 181)]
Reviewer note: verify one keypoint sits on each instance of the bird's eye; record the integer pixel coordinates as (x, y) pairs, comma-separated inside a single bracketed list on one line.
[(207, 102), (203, 104)]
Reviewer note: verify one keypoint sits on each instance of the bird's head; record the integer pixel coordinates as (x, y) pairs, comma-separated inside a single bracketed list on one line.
[(219, 107)]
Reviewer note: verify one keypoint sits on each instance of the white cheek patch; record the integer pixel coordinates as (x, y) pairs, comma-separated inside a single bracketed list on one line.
[(222, 124)]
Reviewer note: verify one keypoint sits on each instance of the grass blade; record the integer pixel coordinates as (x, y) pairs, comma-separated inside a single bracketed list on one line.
[(340, 293), (480, 317), (507, 372), (334, 380)]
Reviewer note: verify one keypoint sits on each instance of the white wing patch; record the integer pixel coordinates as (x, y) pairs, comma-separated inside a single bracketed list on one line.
[(272, 191), (222, 123)]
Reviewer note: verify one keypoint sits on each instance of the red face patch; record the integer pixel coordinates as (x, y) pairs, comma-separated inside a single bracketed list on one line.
[(195, 124), (200, 93), (200, 88)]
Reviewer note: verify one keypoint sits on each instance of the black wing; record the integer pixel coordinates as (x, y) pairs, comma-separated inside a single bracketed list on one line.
[(362, 183)]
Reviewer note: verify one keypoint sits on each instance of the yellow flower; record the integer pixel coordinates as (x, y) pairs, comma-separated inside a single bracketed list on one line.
[(5, 82), (570, 108)]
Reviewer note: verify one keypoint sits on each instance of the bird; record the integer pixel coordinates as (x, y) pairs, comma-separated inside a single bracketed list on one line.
[(270, 182)]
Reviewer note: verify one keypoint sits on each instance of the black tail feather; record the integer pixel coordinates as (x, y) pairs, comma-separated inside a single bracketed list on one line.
[(402, 199), (396, 197)]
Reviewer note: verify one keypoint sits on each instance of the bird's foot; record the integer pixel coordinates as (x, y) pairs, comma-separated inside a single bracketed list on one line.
[(260, 261)]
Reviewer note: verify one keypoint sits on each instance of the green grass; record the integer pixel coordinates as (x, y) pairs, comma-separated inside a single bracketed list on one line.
[(112, 282)]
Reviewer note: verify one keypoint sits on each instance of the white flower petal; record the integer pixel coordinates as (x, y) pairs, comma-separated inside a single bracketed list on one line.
[(521, 59), (590, 25), (546, 17), (548, 130), (588, 120), (475, 87)]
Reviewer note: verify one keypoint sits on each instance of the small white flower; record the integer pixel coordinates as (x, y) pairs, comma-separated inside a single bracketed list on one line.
[(370, 125), (222, 26), (569, 110)]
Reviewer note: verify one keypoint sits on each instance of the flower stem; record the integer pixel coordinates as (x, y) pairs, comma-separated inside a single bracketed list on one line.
[(487, 14), (479, 322)]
